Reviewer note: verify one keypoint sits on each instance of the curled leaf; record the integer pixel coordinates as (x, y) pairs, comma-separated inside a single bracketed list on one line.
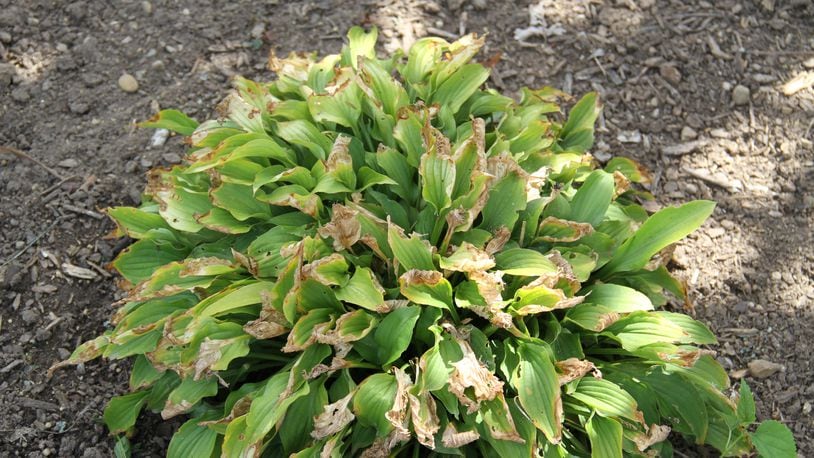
[(333, 418)]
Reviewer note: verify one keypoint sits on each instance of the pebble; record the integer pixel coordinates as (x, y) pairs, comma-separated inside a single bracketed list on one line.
[(159, 137), (7, 72), (92, 79), (670, 73), (480, 4), (147, 8), (760, 368), (130, 167), (629, 136), (688, 133), (128, 83), (20, 95), (5, 37), (68, 163), (172, 158), (741, 95), (79, 108), (809, 63)]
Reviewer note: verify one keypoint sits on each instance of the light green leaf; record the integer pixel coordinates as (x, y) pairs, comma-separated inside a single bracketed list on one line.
[(617, 298), (438, 173), (773, 439), (363, 290), (172, 120), (121, 411), (660, 230), (373, 399), (411, 252), (524, 262), (607, 399), (191, 439), (605, 435), (746, 405), (591, 201), (538, 389), (426, 287)]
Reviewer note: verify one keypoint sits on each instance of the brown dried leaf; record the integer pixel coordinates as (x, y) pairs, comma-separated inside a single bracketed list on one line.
[(397, 415), (575, 368), (468, 258), (454, 439), (498, 241), (469, 372), (655, 434), (425, 418), (344, 227), (571, 230), (333, 418)]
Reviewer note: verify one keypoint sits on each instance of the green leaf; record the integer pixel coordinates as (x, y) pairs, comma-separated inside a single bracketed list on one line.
[(360, 44), (582, 115), (538, 389), (438, 172), (369, 177), (426, 287), (305, 134), (363, 290), (591, 201), (506, 198), (525, 262), (391, 338), (295, 434), (773, 439), (373, 399), (746, 405), (172, 120), (460, 86), (605, 435), (411, 252), (607, 399), (122, 448), (186, 395), (617, 298), (121, 411), (191, 439), (660, 230)]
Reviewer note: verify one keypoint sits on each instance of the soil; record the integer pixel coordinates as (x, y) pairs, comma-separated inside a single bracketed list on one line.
[(669, 72)]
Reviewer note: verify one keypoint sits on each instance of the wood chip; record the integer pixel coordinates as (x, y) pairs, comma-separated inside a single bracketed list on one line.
[(802, 81), (684, 148), (760, 368), (718, 179), (78, 272)]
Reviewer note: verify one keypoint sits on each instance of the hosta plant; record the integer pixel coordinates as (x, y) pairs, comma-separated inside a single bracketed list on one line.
[(382, 257)]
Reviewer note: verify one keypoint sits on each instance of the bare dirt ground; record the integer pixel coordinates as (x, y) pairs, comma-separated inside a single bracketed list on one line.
[(691, 90)]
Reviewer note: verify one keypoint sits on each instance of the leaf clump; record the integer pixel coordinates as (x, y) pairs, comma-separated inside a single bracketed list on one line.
[(377, 257)]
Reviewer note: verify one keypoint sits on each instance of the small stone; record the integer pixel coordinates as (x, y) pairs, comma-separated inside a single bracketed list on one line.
[(777, 276), (760, 368), (806, 408), (808, 63), (159, 137), (29, 316), (741, 95), (128, 83), (767, 5), (68, 163), (5, 37), (480, 4), (172, 158), (629, 136), (146, 163), (130, 167), (670, 73), (688, 133), (7, 72), (20, 95), (716, 232), (147, 8), (92, 79), (79, 108)]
